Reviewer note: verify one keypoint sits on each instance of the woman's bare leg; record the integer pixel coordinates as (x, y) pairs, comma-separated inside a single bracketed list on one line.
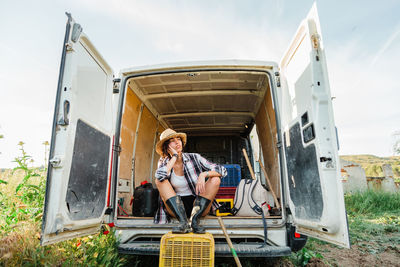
[(166, 191), (212, 186)]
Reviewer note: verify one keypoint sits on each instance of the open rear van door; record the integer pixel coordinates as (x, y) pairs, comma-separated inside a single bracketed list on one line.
[(310, 145), (80, 152)]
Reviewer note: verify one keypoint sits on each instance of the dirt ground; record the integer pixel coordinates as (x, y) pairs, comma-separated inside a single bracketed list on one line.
[(371, 253), (378, 251)]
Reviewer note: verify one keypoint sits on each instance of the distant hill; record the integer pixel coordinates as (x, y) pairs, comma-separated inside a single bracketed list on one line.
[(372, 164)]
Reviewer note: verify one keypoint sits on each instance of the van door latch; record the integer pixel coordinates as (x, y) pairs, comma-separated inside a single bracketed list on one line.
[(323, 159), (64, 120), (328, 162)]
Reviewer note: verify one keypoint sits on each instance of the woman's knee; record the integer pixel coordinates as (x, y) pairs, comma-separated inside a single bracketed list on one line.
[(160, 184), (215, 181)]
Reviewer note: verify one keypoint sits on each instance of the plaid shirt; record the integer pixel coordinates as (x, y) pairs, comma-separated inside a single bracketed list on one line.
[(193, 165)]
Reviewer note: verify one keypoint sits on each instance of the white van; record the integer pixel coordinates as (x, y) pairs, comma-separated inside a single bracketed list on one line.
[(105, 130)]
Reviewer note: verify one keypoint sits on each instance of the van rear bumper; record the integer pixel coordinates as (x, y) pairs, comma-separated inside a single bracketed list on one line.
[(221, 249)]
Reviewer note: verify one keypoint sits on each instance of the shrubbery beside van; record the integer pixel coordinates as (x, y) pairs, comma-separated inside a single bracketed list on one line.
[(105, 130)]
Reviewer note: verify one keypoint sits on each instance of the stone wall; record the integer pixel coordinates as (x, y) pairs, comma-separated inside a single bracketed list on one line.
[(353, 177), (388, 184)]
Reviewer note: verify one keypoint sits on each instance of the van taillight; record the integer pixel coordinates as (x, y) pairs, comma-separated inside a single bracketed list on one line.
[(296, 235)]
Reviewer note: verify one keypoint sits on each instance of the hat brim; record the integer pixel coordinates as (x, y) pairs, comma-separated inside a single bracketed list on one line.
[(162, 141)]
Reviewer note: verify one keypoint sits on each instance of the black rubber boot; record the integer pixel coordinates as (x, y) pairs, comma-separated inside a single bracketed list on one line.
[(176, 205), (199, 206)]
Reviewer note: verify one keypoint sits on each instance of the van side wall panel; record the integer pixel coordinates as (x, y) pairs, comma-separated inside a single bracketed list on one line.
[(144, 148), (128, 129), (149, 129), (266, 130)]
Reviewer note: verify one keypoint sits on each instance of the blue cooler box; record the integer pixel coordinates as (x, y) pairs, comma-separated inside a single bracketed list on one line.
[(233, 177)]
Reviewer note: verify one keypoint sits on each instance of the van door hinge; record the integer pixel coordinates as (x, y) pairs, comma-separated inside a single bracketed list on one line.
[(116, 84), (279, 144), (117, 148), (76, 32), (55, 162), (108, 211), (277, 79), (315, 38), (69, 47)]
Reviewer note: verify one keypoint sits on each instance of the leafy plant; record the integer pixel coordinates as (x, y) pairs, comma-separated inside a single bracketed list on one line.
[(28, 197), (30, 193), (21, 206), (97, 250), (302, 257)]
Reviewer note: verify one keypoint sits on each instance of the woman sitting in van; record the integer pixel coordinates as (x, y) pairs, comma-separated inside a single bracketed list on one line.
[(187, 183)]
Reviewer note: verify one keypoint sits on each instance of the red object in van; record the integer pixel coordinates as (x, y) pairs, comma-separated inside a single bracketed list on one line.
[(226, 192)]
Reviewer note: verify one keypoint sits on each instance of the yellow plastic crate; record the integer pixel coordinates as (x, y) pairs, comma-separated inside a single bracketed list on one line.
[(187, 250)]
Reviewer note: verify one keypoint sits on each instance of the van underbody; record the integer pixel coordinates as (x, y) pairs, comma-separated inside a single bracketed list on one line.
[(217, 107)]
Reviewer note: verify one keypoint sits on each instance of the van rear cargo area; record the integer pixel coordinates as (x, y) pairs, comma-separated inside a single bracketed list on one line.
[(221, 111)]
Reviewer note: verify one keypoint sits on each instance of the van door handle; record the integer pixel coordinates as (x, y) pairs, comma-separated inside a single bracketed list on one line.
[(64, 121)]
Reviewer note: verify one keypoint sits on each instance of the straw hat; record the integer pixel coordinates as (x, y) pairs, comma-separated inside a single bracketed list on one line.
[(166, 135)]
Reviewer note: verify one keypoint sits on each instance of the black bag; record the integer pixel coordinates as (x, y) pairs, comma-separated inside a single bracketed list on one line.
[(145, 200)]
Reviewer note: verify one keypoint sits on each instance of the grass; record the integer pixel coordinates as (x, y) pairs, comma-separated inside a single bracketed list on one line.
[(372, 202), (374, 216), (374, 226)]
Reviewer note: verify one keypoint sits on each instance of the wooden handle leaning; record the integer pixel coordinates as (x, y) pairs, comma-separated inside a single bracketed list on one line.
[(221, 223), (248, 164), (269, 185)]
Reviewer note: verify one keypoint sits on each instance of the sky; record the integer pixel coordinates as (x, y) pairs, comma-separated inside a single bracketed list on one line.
[(361, 39)]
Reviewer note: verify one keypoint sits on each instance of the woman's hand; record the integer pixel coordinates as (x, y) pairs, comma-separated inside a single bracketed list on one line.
[(171, 150), (201, 183)]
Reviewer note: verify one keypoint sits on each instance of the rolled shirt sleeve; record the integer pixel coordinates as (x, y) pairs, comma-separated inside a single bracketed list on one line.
[(209, 166), (161, 172)]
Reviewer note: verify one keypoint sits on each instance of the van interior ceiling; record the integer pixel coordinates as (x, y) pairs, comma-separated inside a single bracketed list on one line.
[(217, 109)]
